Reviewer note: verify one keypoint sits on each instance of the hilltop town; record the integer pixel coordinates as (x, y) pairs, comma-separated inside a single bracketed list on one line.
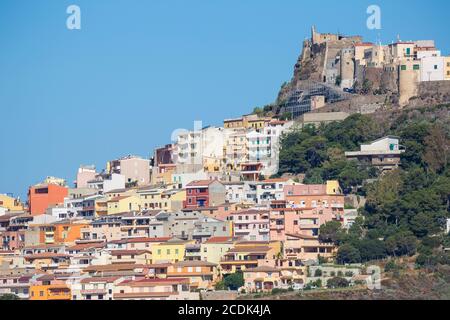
[(343, 178)]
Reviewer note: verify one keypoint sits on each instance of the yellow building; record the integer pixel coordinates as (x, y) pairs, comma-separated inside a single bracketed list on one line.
[(123, 204), (447, 68), (214, 248), (10, 203), (170, 251), (202, 274), (333, 187), (166, 198), (212, 165), (258, 123), (233, 123), (101, 207), (120, 193)]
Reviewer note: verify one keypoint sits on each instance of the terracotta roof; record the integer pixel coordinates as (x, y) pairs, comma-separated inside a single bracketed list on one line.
[(113, 267), (250, 211), (117, 199), (219, 240), (274, 180), (262, 269), (301, 236), (154, 282), (46, 255), (200, 183), (141, 240), (99, 279), (85, 246), (255, 249), (194, 264), (143, 294), (128, 252)]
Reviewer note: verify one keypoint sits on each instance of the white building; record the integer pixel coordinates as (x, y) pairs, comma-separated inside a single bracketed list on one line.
[(195, 149), (263, 145), (107, 182), (432, 65), (271, 189)]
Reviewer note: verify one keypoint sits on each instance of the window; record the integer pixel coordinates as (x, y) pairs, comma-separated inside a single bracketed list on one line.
[(435, 67), (403, 67), (416, 67)]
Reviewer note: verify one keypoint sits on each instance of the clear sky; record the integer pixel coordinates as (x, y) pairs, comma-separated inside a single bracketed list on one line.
[(139, 69)]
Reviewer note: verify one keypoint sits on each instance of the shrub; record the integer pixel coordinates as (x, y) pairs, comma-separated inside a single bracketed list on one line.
[(318, 273), (337, 282)]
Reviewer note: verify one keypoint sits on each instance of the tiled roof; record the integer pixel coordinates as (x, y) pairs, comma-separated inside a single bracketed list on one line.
[(117, 199), (219, 240), (200, 183), (255, 249), (113, 267), (128, 252), (99, 279), (46, 255), (194, 264), (262, 269)]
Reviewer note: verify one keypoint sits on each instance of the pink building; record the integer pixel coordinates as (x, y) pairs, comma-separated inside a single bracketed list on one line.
[(303, 221), (135, 169), (85, 174), (251, 225)]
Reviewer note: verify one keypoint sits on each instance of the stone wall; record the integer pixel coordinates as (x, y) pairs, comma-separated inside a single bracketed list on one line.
[(431, 93)]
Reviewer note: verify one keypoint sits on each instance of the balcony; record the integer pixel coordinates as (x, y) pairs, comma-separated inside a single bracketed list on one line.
[(277, 227)]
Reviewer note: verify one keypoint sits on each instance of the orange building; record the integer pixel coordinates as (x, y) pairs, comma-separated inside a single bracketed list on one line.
[(48, 288), (59, 232), (41, 196), (68, 232)]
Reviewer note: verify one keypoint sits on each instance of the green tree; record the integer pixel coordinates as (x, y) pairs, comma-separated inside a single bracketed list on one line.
[(330, 232), (234, 281), (9, 296), (348, 254), (437, 149), (337, 282)]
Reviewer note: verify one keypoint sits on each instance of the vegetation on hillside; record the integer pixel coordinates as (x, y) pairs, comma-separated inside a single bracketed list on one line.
[(406, 209)]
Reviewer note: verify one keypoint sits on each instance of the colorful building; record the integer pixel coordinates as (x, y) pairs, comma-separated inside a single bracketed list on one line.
[(10, 203), (251, 225), (202, 274), (123, 204), (447, 68), (213, 249), (171, 251), (204, 193), (42, 196), (48, 288)]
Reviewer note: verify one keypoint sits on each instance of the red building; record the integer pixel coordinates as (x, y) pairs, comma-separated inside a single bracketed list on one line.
[(40, 197), (204, 193)]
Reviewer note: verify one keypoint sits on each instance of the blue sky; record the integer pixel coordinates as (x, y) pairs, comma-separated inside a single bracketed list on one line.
[(139, 69)]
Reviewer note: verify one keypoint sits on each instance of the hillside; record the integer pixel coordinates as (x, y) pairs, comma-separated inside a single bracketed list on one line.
[(406, 285)]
